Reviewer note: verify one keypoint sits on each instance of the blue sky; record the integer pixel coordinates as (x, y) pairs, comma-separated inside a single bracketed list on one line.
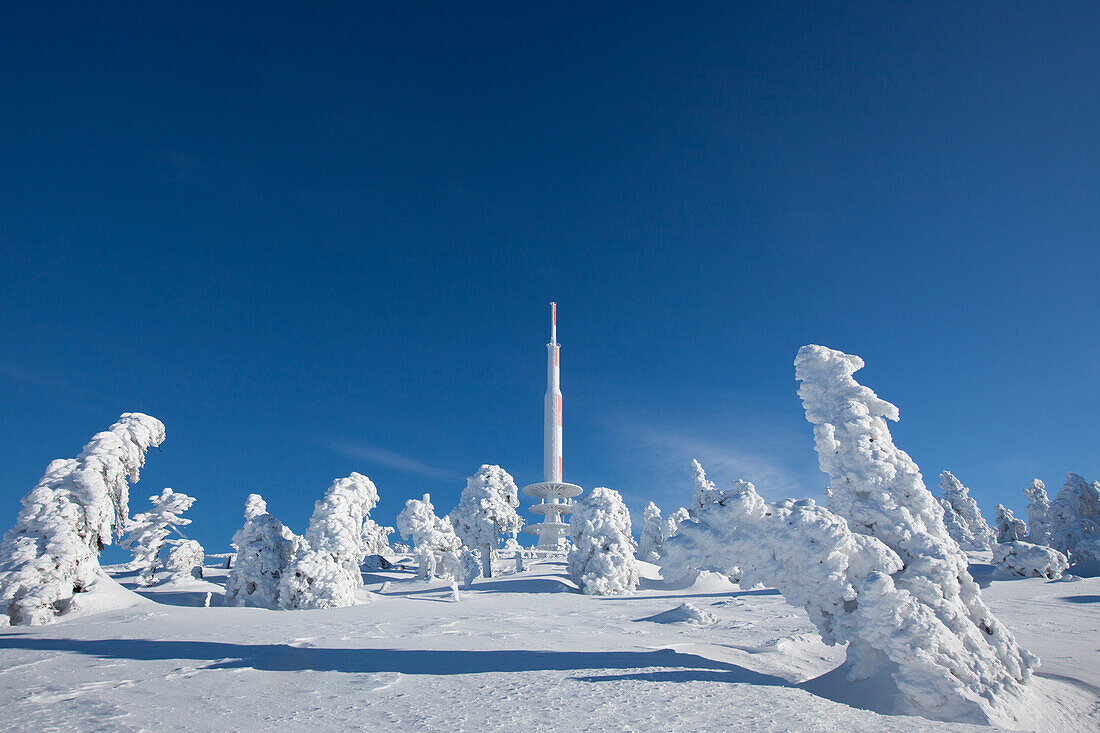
[(321, 240)]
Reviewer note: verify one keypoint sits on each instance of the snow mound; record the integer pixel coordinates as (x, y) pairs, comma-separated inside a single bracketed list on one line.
[(685, 613), (1029, 561)]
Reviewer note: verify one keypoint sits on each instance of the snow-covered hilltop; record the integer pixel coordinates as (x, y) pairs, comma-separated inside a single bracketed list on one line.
[(690, 628)]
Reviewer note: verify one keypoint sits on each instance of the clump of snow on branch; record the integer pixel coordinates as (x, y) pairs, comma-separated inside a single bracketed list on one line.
[(970, 664), (964, 520), (432, 537), (1038, 513), (183, 559), (486, 512), (649, 544), (148, 531), (325, 572), (1029, 561), (76, 509), (265, 549), (1074, 515), (1009, 528), (602, 559)]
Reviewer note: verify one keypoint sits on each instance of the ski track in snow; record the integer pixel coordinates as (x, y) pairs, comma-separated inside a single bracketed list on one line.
[(515, 652)]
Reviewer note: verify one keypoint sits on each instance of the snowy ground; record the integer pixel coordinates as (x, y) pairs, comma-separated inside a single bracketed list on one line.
[(521, 651)]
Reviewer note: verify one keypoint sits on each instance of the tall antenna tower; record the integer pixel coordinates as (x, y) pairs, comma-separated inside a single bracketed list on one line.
[(554, 495)]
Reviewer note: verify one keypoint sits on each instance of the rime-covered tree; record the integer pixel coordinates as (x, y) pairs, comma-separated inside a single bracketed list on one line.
[(1009, 528), (376, 538), (265, 549), (76, 509), (694, 551), (602, 559), (673, 521), (432, 536), (649, 544), (325, 572), (184, 557), (1074, 515), (879, 491), (964, 520), (486, 512), (254, 506), (147, 532), (1038, 513)]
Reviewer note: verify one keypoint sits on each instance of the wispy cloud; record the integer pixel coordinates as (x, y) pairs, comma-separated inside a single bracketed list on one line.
[(59, 391), (676, 449), (385, 457), (777, 459)]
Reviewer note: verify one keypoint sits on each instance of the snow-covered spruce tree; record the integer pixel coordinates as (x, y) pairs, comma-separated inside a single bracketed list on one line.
[(147, 532), (265, 549), (1038, 513), (673, 522), (486, 512), (974, 664), (649, 544), (1009, 528), (963, 515), (602, 562), (76, 509), (325, 572), (254, 506), (376, 538), (1074, 515), (431, 535), (183, 559), (694, 551)]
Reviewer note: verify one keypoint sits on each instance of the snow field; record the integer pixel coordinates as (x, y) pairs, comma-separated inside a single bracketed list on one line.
[(518, 651)]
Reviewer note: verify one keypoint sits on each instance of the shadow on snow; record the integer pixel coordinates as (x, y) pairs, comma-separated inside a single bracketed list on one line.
[(283, 658)]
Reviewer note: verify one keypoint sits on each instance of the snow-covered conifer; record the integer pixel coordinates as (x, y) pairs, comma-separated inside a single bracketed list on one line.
[(376, 538), (254, 506), (148, 532), (184, 557), (461, 566), (1074, 514), (431, 535), (1009, 528), (265, 549), (673, 522), (1029, 561), (325, 572), (486, 512), (694, 552), (704, 492), (602, 559), (649, 544), (878, 489), (76, 509), (1038, 513), (975, 532)]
